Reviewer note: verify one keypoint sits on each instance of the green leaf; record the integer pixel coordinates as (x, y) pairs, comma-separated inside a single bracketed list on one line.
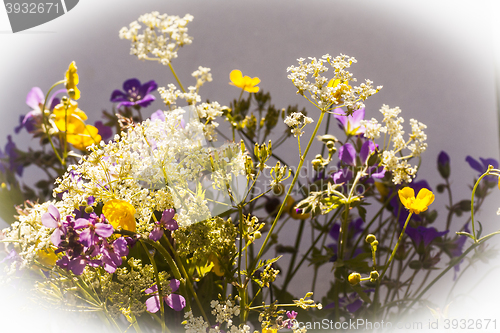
[(357, 288)]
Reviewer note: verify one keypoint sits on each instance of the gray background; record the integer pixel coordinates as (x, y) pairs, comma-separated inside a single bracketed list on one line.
[(435, 60)]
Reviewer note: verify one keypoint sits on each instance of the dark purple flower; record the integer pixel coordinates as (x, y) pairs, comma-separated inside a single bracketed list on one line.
[(483, 166), (112, 253), (350, 124), (104, 131), (134, 93), (175, 301), (10, 158), (94, 229), (166, 222), (376, 172), (354, 227), (457, 249), (444, 164), (77, 264), (423, 235), (352, 302), (347, 154), (342, 176)]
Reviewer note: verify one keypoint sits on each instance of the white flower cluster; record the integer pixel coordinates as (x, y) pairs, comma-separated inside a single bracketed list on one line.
[(155, 166), (295, 122), (162, 36), (329, 93), (224, 313), (401, 170), (202, 75)]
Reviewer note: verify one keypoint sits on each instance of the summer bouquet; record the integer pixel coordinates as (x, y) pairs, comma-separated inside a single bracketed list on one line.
[(177, 222)]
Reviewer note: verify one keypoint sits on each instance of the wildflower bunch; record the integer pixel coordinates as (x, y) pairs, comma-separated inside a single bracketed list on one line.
[(394, 143), (162, 36), (328, 93)]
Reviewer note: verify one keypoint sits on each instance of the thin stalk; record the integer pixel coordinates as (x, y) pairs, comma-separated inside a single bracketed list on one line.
[(176, 78), (302, 159), (396, 246), (158, 285)]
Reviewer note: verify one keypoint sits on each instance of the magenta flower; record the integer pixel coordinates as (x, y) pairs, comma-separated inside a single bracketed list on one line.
[(175, 301), (112, 254), (167, 222), (33, 119), (351, 124), (52, 219), (134, 93), (94, 229)]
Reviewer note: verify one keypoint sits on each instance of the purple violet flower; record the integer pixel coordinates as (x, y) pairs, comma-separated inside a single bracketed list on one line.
[(158, 115), (347, 154), (167, 222), (105, 132), (112, 254), (134, 93), (483, 166), (422, 235), (444, 164), (11, 155), (350, 124), (52, 219), (94, 229), (33, 119), (175, 301), (367, 149)]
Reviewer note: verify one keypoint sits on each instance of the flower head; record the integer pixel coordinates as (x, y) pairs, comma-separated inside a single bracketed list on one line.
[(483, 166), (244, 82), (351, 124), (120, 214), (134, 93), (420, 203), (71, 81)]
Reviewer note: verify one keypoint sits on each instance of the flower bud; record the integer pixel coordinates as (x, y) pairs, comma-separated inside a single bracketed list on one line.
[(373, 276), (444, 165), (278, 189), (354, 278), (370, 238), (257, 234), (89, 209)]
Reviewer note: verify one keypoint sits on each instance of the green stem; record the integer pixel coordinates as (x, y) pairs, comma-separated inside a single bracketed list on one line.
[(396, 246), (302, 159), (177, 78), (46, 123), (158, 285), (187, 279)]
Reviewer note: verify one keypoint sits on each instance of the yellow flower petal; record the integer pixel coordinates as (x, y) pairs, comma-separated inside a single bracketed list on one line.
[(244, 82), (85, 138), (120, 214), (72, 80), (416, 205), (70, 120)]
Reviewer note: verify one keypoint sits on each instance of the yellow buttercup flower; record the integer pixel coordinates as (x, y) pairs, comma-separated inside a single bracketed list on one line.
[(418, 204), (244, 82), (335, 82), (70, 120), (120, 214), (72, 80), (84, 139), (217, 269), (46, 257), (269, 330)]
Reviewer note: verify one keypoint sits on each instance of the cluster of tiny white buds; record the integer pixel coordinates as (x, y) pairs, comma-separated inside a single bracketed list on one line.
[(297, 121), (202, 75), (169, 96), (401, 170), (162, 36)]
